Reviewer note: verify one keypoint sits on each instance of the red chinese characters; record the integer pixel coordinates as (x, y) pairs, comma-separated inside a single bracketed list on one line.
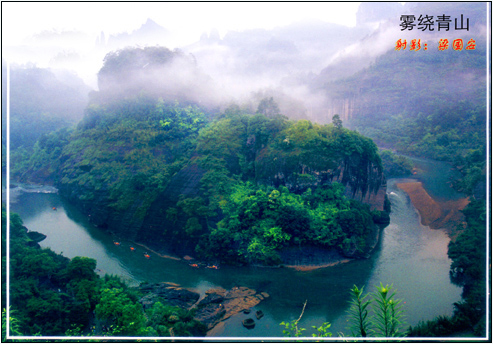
[(415, 45), (443, 44), (400, 44), (458, 44), (471, 44)]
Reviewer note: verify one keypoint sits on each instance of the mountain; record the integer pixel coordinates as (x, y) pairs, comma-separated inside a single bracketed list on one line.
[(150, 33), (42, 100)]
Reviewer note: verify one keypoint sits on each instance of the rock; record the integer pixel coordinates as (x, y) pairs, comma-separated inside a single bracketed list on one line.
[(210, 298), (210, 314), (218, 304), (171, 293), (259, 314), (234, 301), (36, 236), (249, 323), (218, 290)]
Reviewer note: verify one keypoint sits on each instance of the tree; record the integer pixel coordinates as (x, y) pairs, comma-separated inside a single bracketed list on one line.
[(268, 107), (336, 121), (118, 309), (81, 268)]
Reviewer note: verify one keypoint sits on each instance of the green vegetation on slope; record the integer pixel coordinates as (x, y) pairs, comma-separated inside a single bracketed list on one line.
[(259, 221), (51, 295), (126, 156), (427, 104)]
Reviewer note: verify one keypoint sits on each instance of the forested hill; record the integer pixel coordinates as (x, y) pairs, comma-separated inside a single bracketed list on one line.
[(170, 176), (148, 163), (157, 72)]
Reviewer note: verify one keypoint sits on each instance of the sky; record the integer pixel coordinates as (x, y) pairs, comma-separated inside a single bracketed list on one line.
[(22, 19)]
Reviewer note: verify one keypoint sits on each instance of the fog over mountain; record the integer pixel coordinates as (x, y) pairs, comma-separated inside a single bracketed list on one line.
[(290, 63)]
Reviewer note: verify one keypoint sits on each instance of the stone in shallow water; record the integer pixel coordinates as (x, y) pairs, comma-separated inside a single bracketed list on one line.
[(234, 301), (249, 323)]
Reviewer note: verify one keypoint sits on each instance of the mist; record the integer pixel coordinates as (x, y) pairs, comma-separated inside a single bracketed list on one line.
[(291, 63)]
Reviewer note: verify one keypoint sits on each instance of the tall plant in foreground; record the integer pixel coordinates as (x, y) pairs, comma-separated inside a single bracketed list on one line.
[(388, 314), (358, 313), (377, 314)]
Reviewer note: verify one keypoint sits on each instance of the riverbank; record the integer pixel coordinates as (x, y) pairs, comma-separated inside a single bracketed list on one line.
[(435, 214), (319, 266)]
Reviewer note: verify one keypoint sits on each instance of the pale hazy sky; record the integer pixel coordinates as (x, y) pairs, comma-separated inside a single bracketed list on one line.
[(22, 19)]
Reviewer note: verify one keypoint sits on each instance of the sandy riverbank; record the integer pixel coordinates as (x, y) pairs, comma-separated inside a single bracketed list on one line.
[(435, 214), (314, 267)]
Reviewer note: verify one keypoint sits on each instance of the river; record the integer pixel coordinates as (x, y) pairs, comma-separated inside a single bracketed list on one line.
[(410, 256)]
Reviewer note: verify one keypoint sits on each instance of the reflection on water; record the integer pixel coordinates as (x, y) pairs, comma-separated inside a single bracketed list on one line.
[(411, 257)]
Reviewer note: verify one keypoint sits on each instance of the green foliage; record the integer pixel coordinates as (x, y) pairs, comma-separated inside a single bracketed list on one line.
[(127, 150), (468, 251), (173, 321), (454, 133), (378, 314), (259, 221), (268, 107), (252, 199), (388, 313), (358, 313), (292, 329), (373, 315), (337, 122), (117, 307), (13, 326), (395, 165), (41, 162)]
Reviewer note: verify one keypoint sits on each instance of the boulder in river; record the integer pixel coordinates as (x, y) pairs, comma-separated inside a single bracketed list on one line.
[(249, 323)]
